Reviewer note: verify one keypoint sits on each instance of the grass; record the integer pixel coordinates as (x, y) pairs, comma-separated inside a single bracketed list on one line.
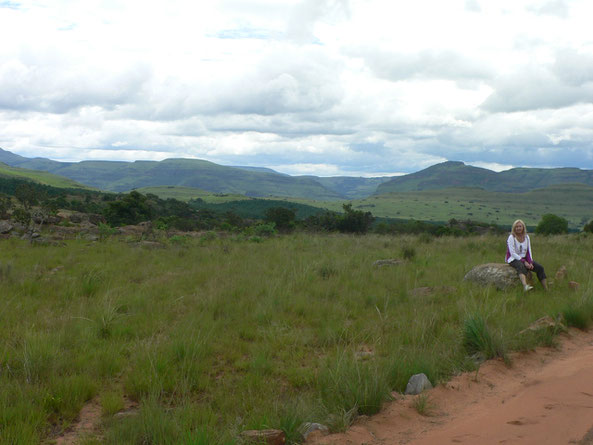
[(216, 335), (571, 201), (423, 405)]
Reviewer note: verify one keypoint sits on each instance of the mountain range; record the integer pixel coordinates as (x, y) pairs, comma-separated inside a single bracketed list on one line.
[(120, 176)]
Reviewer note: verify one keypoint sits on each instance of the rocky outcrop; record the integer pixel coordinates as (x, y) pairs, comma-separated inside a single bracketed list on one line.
[(500, 275)]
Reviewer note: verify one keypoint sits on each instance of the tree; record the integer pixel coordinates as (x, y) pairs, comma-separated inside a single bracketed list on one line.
[(588, 227), (131, 209), (283, 218), (551, 224), (27, 195), (355, 221)]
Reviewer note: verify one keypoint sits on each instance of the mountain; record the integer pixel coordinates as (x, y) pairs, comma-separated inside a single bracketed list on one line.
[(124, 176), (40, 177), (457, 174)]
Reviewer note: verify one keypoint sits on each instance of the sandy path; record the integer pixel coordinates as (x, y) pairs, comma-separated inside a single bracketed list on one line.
[(545, 397)]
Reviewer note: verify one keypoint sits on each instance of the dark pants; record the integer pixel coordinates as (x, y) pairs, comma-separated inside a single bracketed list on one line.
[(537, 268)]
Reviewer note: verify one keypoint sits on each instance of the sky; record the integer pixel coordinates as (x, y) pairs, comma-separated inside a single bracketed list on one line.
[(322, 87)]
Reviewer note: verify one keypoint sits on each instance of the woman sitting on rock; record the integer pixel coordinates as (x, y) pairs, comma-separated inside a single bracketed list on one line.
[(520, 255)]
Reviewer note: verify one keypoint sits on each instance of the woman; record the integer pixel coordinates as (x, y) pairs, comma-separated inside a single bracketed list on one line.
[(520, 256)]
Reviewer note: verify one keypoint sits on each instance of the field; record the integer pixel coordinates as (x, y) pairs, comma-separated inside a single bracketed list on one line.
[(187, 193), (573, 202), (202, 338)]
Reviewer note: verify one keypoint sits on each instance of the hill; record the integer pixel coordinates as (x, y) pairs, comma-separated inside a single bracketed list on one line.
[(571, 201), (254, 182), (457, 174), (40, 177)]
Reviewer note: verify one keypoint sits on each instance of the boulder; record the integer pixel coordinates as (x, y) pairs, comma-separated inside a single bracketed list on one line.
[(5, 226), (500, 275), (417, 384)]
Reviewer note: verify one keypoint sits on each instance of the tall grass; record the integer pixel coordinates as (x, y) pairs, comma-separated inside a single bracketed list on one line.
[(212, 336)]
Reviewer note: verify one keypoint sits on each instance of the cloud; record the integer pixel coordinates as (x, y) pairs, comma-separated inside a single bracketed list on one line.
[(307, 13), (59, 88), (426, 64), (557, 8), (472, 6), (536, 88)]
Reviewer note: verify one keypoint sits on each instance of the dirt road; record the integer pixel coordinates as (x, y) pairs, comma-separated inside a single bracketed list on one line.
[(545, 397)]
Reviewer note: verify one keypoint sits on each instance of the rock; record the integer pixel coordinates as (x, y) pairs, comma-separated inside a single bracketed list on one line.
[(5, 226), (426, 291), (310, 430), (95, 219), (561, 273), (75, 218), (573, 285), (364, 353), (500, 275), (417, 384), (268, 437), (388, 262), (543, 323)]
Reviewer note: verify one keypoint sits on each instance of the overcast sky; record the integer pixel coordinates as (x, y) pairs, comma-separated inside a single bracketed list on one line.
[(324, 87)]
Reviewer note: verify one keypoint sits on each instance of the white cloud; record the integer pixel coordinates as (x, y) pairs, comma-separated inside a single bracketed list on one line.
[(348, 87)]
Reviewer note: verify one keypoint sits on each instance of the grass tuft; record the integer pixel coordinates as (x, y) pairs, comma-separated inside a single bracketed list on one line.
[(479, 340)]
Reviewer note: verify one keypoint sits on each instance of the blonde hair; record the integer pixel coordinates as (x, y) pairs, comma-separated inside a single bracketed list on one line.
[(515, 225)]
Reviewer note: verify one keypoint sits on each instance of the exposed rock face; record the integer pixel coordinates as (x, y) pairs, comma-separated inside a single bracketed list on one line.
[(417, 384), (501, 275)]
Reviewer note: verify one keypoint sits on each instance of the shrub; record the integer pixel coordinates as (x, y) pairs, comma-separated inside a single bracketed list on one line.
[(551, 224), (408, 252), (588, 227)]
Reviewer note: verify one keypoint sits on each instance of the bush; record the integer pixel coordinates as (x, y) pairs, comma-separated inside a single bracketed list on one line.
[(551, 224), (588, 227)]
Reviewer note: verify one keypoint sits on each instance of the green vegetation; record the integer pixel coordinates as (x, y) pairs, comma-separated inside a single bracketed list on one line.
[(552, 225), (572, 202), (187, 194), (457, 174), (212, 335), (40, 177)]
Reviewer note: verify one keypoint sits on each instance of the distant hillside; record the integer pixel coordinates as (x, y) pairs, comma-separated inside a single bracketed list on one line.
[(200, 174), (457, 174), (571, 201), (40, 177)]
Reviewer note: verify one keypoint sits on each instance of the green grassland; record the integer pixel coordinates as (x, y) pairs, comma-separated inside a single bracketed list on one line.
[(213, 335), (571, 201), (40, 177), (186, 194)]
